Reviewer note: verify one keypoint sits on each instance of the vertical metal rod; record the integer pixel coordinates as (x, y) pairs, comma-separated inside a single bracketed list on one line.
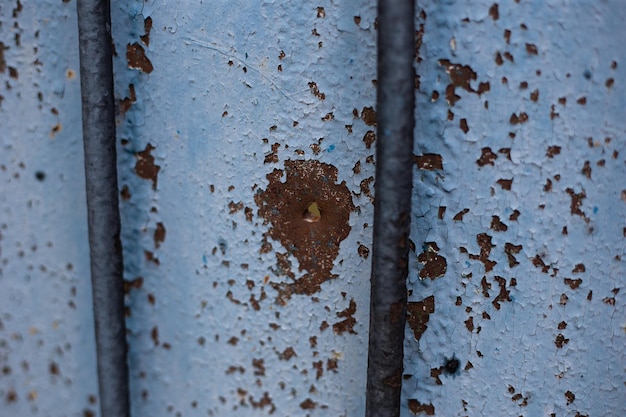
[(96, 81), (392, 209)]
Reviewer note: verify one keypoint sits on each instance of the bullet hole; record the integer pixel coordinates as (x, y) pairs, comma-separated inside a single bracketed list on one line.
[(40, 175), (451, 366), (587, 74), (312, 214), (309, 191)]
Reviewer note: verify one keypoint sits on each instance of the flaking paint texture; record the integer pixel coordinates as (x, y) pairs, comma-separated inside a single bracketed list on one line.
[(47, 349), (237, 118), (520, 160)]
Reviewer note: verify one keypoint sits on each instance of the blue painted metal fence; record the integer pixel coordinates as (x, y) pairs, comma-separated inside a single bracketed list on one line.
[(233, 119)]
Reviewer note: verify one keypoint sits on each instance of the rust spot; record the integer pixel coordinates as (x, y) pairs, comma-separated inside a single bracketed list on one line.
[(321, 12), (504, 294), (507, 35), (316, 92), (418, 314), (368, 114), (587, 169), (365, 188), (287, 354), (159, 235), (531, 49), (499, 60), (459, 216), (308, 404), (493, 11), (147, 27), (460, 76), (417, 407), (484, 242), (428, 161), (469, 324), (463, 125), (369, 138), (573, 283), (506, 152), (515, 119), (125, 193), (435, 373), (539, 263), (363, 251), (435, 265), (510, 250), (505, 184), (569, 395), (272, 157), (579, 268), (154, 334), (136, 57), (441, 212), (347, 324), (577, 201), (534, 96), (314, 244), (487, 157), (609, 82), (497, 225), (145, 166), (582, 101), (136, 284)]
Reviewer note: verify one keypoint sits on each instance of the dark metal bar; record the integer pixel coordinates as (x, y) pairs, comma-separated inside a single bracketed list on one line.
[(96, 81), (392, 209)]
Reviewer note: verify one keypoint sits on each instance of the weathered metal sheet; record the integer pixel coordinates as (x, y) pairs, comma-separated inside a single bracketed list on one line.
[(246, 168), (47, 353), (246, 298), (518, 278)]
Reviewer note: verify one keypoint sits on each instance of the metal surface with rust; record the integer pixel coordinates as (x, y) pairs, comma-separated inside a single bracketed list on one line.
[(246, 144), (517, 279), (516, 271), (47, 349)]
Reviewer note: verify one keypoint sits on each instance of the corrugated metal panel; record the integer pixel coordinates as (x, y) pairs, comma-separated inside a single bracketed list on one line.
[(517, 285), (516, 299), (47, 354), (236, 121)]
